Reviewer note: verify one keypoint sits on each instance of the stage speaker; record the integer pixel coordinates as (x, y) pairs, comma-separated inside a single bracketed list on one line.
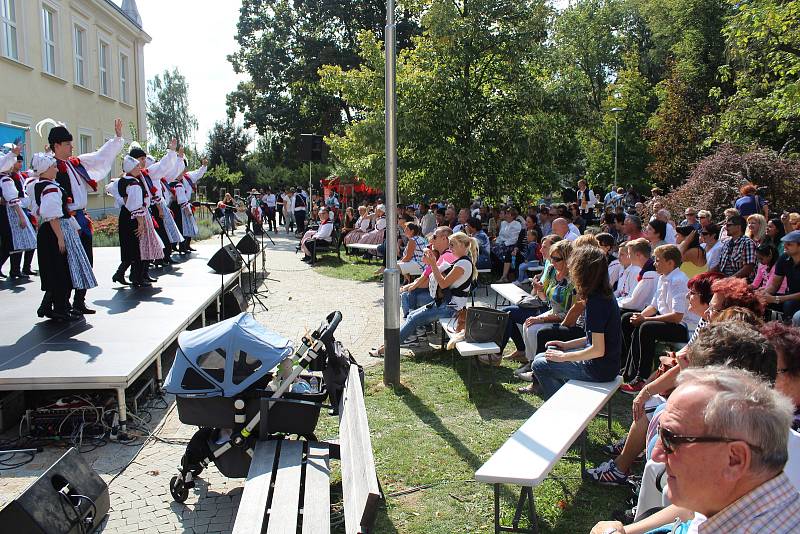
[(248, 244), (234, 303), (313, 148), (226, 260), (69, 498)]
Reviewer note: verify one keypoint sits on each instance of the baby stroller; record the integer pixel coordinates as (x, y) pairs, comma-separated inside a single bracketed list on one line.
[(239, 382)]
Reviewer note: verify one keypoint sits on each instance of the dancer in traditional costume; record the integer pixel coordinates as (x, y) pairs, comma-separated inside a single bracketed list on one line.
[(360, 228), (76, 176), (377, 234), (190, 180), (16, 229), (63, 263), (181, 189)]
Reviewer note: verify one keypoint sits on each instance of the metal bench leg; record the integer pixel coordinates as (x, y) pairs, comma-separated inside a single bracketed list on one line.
[(584, 435), (525, 497)]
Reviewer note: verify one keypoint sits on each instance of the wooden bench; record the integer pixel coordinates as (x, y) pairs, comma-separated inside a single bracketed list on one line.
[(470, 351), (510, 293), (530, 454), (288, 484)]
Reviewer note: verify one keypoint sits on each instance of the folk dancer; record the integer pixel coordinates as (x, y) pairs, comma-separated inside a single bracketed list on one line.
[(152, 172), (76, 176), (138, 240), (16, 229), (184, 185), (63, 262)]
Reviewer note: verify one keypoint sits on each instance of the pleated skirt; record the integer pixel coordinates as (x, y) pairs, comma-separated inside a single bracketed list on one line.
[(150, 245), (189, 227), (173, 233), (22, 237), (80, 270)]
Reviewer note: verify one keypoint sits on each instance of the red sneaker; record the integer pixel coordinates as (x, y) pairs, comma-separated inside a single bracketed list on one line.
[(633, 388)]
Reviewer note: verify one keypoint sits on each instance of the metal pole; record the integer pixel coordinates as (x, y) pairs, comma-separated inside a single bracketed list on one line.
[(616, 151), (391, 276)]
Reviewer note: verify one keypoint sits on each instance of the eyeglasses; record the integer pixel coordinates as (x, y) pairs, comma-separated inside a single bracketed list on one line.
[(556, 259), (670, 440)]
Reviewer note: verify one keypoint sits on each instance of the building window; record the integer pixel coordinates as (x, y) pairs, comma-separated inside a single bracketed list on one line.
[(80, 55), (123, 78), (8, 29), (104, 67), (85, 144), (49, 41)]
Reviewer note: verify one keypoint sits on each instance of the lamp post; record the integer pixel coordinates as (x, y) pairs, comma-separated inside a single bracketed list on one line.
[(616, 141), (391, 276)]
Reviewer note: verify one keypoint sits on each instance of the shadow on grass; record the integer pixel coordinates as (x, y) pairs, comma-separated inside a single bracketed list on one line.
[(383, 523)]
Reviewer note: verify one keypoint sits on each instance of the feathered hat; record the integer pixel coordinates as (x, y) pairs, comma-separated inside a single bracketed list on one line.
[(58, 132)]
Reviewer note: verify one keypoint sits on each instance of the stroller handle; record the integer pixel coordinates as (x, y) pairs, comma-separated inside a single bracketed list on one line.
[(325, 331)]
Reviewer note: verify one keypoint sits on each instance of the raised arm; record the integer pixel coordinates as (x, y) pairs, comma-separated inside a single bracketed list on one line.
[(197, 175), (99, 163)]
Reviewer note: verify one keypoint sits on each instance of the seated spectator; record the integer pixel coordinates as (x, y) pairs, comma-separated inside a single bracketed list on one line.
[(738, 257), (530, 257), (463, 216), (545, 221), (632, 227), (577, 220), (709, 238), (324, 233), (692, 254), (704, 218), (788, 268), (562, 230), (659, 385), (665, 319), (767, 259), (349, 221), (427, 215), (756, 228), (449, 287), (411, 262), (417, 294), (596, 356), (503, 248), (785, 339), (723, 438), (730, 292), (665, 216), (542, 283), (655, 232), (728, 213), (378, 233), (749, 202), (775, 233), (360, 227), (474, 229), (493, 227), (646, 279), (615, 268), (690, 215), (627, 280), (791, 221)]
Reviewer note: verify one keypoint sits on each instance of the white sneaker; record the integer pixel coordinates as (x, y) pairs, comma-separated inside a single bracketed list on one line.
[(527, 376)]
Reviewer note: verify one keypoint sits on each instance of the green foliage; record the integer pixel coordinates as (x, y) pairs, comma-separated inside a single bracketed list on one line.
[(168, 112), (227, 143)]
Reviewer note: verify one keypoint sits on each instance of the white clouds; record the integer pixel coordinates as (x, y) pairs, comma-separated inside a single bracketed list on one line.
[(195, 36)]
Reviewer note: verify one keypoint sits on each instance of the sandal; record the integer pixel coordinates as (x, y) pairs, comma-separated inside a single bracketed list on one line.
[(490, 359), (529, 389), (376, 353)]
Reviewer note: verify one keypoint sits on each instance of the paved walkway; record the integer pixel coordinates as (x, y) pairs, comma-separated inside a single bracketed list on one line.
[(298, 299)]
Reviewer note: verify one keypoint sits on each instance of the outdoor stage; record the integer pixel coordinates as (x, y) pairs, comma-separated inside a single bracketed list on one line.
[(127, 335)]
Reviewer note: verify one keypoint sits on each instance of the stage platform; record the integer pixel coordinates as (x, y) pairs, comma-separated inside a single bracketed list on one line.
[(127, 335)]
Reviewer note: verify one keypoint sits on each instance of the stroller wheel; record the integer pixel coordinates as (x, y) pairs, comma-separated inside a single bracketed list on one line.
[(178, 490)]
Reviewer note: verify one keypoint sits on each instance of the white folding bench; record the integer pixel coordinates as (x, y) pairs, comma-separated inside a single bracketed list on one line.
[(530, 454), (510, 293), (470, 351)]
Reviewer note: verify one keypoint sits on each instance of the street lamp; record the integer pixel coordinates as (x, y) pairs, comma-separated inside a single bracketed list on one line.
[(616, 111)]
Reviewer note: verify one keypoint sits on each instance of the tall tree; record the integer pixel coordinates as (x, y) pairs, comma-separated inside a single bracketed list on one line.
[(282, 45), (168, 108), (227, 143)]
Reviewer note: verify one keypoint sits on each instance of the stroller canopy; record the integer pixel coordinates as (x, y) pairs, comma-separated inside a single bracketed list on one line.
[(226, 358)]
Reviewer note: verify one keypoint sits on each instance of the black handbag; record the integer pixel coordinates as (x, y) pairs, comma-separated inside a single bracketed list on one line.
[(485, 325)]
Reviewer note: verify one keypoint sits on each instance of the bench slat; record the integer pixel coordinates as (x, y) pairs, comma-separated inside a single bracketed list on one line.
[(317, 495), (465, 348), (286, 494), (529, 455), (359, 480), (252, 508), (511, 292)]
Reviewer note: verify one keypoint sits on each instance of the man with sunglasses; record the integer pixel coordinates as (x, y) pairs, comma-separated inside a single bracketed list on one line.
[(739, 254), (723, 439)]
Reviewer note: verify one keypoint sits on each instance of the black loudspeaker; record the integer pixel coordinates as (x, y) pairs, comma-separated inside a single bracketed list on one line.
[(234, 303), (247, 244), (226, 260), (69, 498), (313, 148)]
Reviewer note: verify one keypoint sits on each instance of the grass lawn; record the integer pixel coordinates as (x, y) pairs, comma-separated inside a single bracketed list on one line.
[(347, 268), (428, 432)]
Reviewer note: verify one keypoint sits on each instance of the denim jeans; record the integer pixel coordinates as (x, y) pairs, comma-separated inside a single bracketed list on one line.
[(523, 270), (411, 300), (423, 316), (791, 310), (553, 375)]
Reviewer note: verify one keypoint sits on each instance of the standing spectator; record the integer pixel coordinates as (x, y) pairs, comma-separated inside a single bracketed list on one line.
[(503, 248), (739, 254), (229, 209), (640, 294), (427, 218), (691, 219), (749, 202), (271, 205), (577, 220), (300, 204), (596, 356), (788, 268), (775, 233), (632, 227), (665, 319), (704, 218), (474, 230), (709, 237), (288, 209), (756, 228), (586, 200)]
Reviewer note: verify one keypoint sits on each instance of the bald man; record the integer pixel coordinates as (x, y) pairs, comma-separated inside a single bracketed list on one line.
[(561, 227)]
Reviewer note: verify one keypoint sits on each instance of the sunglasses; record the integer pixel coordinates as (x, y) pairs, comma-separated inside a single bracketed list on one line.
[(670, 440), (556, 259)]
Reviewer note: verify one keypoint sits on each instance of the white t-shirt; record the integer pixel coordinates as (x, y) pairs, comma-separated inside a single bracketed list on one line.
[(466, 265)]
